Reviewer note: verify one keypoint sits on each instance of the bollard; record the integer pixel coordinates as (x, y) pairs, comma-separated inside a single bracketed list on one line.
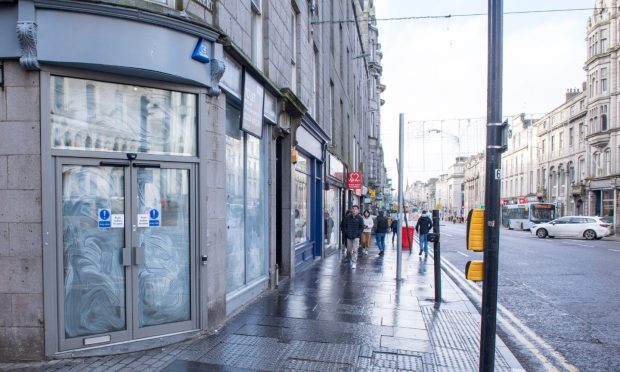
[(437, 256)]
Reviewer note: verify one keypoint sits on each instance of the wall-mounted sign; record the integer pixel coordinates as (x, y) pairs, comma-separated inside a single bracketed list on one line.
[(354, 181), (372, 193), (521, 200), (253, 100), (103, 218), (201, 51), (154, 218)]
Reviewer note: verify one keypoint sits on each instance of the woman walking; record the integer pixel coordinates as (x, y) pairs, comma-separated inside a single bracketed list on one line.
[(368, 224)]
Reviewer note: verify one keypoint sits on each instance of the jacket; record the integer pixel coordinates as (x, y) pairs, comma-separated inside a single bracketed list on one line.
[(352, 227), (382, 225), (424, 225)]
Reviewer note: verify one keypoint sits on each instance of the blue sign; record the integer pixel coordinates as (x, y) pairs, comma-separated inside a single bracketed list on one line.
[(201, 51), (104, 221), (153, 218)]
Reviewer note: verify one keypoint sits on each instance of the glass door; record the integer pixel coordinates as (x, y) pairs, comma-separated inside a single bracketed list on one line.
[(125, 232), (162, 272)]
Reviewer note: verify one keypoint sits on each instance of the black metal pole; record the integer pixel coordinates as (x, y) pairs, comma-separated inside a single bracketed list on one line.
[(492, 183), (437, 257)]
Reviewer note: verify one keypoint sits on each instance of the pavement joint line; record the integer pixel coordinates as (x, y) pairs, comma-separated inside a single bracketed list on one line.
[(512, 325)]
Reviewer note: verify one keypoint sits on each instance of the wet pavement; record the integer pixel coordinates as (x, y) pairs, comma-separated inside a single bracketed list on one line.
[(331, 318)]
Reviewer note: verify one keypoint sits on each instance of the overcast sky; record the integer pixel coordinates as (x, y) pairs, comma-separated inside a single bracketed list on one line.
[(435, 71)]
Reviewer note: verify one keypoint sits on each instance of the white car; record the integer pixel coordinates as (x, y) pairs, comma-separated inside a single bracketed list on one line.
[(588, 227)]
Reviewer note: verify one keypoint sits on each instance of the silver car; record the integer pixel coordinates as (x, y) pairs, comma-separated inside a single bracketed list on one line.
[(588, 227)]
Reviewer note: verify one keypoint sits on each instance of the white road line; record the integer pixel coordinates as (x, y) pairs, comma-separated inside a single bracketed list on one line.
[(615, 250), (462, 254), (585, 245), (534, 343), (450, 235)]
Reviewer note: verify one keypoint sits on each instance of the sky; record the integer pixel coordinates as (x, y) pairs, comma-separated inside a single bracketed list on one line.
[(435, 71)]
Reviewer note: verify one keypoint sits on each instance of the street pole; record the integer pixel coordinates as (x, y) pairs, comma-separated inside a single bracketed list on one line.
[(492, 183), (401, 207), (437, 258)]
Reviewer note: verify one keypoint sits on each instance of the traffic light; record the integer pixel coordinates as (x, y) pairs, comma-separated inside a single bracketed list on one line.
[(474, 270)]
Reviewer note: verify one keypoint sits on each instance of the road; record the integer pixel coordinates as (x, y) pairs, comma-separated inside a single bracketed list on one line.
[(567, 291)]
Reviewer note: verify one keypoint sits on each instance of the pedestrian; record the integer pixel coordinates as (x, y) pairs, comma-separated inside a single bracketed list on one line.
[(380, 231), (344, 238), (394, 227), (352, 228), (423, 226), (368, 225)]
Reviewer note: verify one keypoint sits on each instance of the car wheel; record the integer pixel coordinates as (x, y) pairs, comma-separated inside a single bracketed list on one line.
[(589, 234), (541, 233)]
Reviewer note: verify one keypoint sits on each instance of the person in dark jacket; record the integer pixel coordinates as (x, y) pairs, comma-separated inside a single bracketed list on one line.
[(423, 226), (394, 228), (380, 231), (352, 228)]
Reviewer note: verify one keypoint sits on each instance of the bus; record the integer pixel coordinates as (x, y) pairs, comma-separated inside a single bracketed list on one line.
[(523, 216)]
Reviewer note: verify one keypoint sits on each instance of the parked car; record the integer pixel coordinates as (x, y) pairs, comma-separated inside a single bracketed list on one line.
[(588, 227)]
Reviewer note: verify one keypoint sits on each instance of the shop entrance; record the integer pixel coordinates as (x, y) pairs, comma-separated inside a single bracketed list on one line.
[(125, 249)]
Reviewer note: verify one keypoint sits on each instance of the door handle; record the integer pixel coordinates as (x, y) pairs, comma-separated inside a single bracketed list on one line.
[(146, 165), (114, 163), (138, 255), (127, 256)]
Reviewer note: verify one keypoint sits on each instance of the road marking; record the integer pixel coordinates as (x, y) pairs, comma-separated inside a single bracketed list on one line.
[(615, 250), (463, 254), (450, 235), (520, 331), (585, 245)]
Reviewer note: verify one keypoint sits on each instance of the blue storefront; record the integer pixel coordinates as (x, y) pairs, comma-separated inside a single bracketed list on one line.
[(307, 193)]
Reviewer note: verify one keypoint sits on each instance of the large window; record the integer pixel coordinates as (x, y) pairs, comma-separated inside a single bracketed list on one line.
[(301, 201), (246, 204), (331, 218), (99, 116)]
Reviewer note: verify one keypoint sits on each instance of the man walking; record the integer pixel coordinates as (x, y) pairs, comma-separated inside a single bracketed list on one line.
[(380, 231), (352, 227), (423, 226)]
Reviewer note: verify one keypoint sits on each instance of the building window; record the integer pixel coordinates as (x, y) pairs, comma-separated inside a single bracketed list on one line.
[(571, 134), (315, 83), (607, 160), (561, 137), (552, 144), (603, 112), (581, 132), (604, 40), (596, 164), (332, 114), (294, 50), (582, 169), (603, 85), (256, 30)]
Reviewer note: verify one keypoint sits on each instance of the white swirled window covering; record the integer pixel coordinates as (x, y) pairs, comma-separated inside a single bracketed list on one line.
[(164, 278), (94, 278), (101, 116)]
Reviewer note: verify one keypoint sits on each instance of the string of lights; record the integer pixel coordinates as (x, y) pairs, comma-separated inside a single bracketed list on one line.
[(407, 18)]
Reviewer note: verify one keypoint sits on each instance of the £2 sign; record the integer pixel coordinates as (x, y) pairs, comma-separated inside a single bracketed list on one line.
[(354, 180)]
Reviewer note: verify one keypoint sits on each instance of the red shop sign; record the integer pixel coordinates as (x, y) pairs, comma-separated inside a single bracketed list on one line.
[(354, 180)]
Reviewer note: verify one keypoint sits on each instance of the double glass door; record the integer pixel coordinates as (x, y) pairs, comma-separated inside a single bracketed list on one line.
[(126, 241)]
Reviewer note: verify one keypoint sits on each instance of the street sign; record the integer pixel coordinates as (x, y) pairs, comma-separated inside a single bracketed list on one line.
[(354, 181)]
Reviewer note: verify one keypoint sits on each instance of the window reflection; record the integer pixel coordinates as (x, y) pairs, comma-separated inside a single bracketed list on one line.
[(301, 202), (124, 118)]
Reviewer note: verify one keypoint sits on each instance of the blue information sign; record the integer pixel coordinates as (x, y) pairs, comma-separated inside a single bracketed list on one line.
[(104, 218), (153, 218)]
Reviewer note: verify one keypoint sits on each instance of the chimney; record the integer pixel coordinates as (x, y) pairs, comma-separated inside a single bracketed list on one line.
[(571, 93)]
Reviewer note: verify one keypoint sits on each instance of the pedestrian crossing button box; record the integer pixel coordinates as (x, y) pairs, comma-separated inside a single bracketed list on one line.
[(474, 270), (433, 237), (475, 230)]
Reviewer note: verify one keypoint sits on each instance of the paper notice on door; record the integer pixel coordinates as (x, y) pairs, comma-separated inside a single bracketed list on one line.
[(118, 221), (143, 220)]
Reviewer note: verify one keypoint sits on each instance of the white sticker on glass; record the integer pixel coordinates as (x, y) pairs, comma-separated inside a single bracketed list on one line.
[(118, 221), (143, 220)]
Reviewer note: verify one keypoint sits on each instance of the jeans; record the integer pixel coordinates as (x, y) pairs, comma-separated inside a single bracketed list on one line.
[(424, 243), (380, 241), (352, 245)]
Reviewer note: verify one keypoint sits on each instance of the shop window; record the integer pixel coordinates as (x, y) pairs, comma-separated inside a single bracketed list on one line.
[(122, 118), (301, 201), (246, 204)]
